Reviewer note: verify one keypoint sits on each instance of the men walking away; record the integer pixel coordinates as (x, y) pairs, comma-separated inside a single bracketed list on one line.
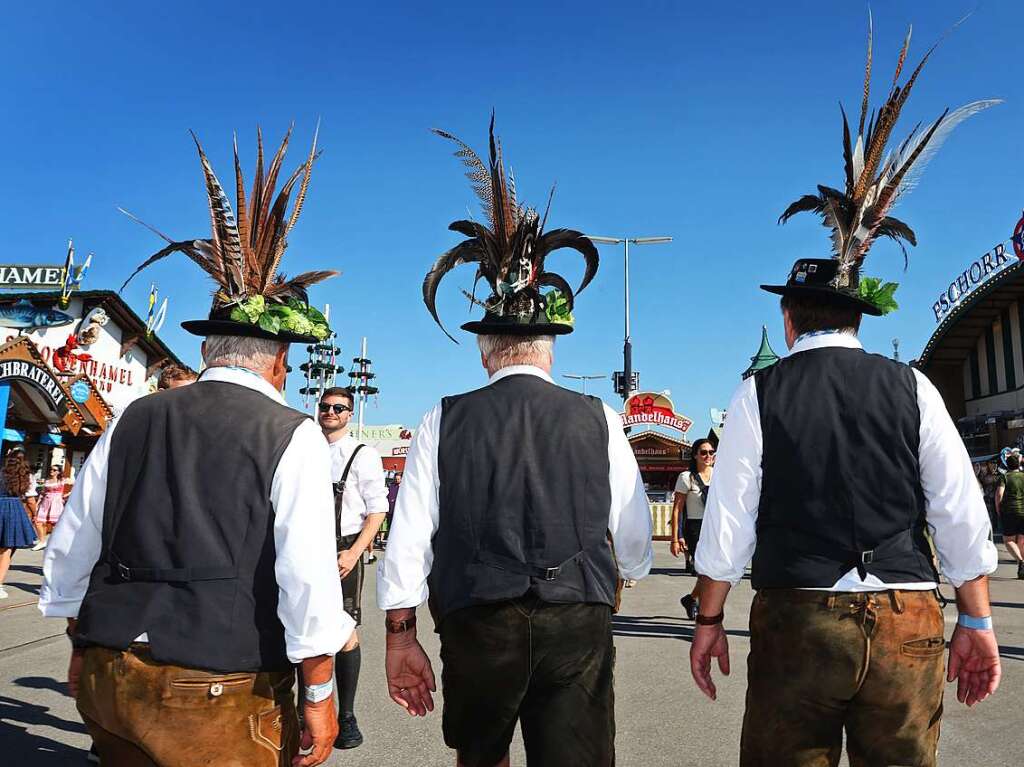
[(194, 560), (360, 505), (509, 495), (833, 468)]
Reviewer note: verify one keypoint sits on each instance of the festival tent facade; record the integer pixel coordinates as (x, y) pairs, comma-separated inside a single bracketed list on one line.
[(975, 356), (66, 369)]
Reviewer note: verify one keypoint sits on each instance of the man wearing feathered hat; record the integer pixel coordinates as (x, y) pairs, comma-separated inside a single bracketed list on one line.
[(834, 467), (194, 563), (516, 500)]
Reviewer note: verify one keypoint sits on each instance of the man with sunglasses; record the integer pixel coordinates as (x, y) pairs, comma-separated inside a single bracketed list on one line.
[(360, 505)]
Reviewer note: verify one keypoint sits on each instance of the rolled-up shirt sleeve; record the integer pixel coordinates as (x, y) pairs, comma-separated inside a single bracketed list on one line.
[(74, 547), (629, 519), (372, 487), (306, 568), (954, 505), (729, 532), (402, 573)]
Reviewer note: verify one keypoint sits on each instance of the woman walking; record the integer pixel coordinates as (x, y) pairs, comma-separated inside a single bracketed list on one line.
[(691, 494), (15, 529), (50, 507), (1010, 506)]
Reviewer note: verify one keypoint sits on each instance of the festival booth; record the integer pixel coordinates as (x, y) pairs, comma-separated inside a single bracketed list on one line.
[(975, 356), (661, 451), (68, 365), (391, 442)]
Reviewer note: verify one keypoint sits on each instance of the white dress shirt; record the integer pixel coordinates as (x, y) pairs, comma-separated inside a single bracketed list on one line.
[(954, 508), (365, 489), (402, 573), (306, 567)]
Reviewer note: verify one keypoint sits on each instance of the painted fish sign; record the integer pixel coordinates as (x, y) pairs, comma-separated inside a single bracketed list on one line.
[(25, 316)]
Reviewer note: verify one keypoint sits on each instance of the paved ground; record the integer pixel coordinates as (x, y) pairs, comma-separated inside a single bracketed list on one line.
[(662, 719)]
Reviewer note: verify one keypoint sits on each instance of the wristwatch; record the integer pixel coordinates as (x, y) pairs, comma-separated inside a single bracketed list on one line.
[(399, 627)]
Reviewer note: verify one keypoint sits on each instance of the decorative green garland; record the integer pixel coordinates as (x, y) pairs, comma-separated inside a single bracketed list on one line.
[(292, 316)]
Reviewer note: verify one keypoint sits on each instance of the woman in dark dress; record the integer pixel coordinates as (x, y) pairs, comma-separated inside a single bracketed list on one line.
[(15, 527)]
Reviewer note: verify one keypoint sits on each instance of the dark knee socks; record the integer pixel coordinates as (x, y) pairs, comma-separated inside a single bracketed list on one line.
[(346, 672)]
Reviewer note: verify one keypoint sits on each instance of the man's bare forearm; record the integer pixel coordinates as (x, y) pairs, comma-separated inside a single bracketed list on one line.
[(318, 670), (712, 595), (972, 597), (370, 528)]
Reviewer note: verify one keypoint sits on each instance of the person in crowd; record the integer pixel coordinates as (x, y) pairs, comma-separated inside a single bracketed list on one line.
[(49, 509), (15, 528), (393, 489), (189, 598), (360, 505), (509, 494), (833, 467), (690, 497), (1010, 507), (173, 376)]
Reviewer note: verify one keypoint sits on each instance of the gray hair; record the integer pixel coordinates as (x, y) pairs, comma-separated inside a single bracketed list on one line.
[(243, 351), (501, 351)]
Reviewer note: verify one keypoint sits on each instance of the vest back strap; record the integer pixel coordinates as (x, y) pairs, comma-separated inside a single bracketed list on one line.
[(171, 575), (523, 568), (896, 545)]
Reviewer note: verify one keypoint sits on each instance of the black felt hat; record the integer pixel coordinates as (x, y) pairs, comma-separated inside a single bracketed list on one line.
[(819, 278)]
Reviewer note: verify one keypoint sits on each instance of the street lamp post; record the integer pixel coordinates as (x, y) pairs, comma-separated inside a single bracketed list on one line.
[(583, 378), (626, 388)]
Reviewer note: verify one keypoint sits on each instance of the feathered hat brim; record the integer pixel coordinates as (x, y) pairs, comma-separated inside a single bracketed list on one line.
[(826, 295), (491, 328), (231, 328)]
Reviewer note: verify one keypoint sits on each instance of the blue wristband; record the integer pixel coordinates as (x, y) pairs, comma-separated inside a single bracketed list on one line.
[(979, 624)]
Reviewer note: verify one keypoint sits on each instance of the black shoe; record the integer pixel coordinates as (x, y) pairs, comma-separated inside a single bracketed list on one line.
[(1020, 571), (93, 757), (690, 605), (348, 733)]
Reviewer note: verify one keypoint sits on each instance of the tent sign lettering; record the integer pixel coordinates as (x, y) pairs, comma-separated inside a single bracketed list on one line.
[(31, 276), (42, 378)]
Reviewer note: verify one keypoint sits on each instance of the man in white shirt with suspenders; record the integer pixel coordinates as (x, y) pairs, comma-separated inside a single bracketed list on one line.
[(360, 505)]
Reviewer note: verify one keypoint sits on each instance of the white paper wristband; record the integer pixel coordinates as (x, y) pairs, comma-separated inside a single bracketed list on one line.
[(318, 692)]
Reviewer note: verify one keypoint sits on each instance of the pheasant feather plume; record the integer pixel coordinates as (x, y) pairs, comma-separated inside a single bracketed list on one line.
[(877, 176)]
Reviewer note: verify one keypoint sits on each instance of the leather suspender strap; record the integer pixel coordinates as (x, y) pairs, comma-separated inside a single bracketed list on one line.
[(339, 490)]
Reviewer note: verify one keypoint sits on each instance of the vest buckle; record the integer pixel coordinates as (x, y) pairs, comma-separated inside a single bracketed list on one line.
[(124, 572), (867, 557), (551, 573)]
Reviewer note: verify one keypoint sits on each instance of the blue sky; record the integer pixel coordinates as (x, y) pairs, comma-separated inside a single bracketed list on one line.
[(697, 121)]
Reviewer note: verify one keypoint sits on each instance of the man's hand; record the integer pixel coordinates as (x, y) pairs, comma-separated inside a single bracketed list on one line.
[(75, 671), (319, 731), (708, 642), (974, 663), (348, 560), (410, 677), (677, 547)]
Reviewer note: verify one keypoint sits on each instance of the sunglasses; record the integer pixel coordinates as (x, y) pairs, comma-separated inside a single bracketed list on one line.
[(338, 409), (705, 452)]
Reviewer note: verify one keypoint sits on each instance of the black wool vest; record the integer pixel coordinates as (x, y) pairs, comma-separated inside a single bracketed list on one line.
[(841, 481), (524, 497), (188, 530)]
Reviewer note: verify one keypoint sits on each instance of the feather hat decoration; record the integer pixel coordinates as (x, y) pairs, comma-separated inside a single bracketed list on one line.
[(509, 250), (244, 254), (876, 178)]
